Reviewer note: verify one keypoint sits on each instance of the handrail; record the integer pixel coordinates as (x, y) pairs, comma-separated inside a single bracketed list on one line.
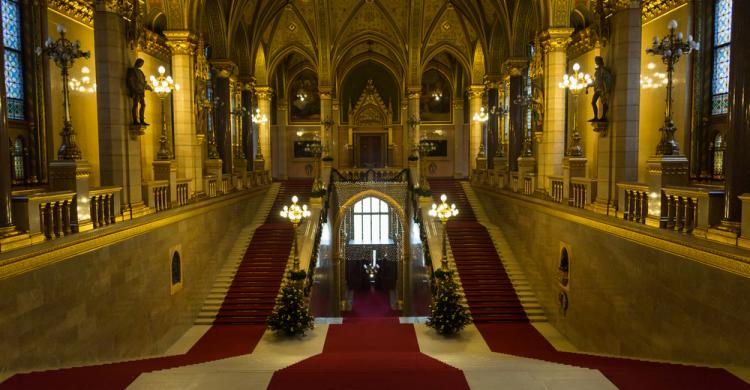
[(369, 175), (633, 201), (105, 205)]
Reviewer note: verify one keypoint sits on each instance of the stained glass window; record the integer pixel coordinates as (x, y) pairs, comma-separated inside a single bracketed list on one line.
[(722, 50), (371, 222), (12, 61)]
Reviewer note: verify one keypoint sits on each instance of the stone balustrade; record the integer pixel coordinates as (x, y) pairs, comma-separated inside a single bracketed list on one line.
[(633, 201), (374, 174), (183, 191), (514, 181), (692, 209), (46, 215), (583, 191), (529, 183), (211, 185), (226, 184), (556, 185), (105, 205), (156, 194)]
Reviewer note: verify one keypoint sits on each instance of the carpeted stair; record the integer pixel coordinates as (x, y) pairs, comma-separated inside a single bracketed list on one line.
[(487, 287), (300, 187)]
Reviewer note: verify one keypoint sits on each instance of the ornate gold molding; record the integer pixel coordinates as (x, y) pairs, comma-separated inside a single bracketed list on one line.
[(619, 5), (124, 8), (80, 10), (514, 66), (652, 9), (555, 39), (224, 67), (153, 44), (180, 42), (475, 91), (584, 41)]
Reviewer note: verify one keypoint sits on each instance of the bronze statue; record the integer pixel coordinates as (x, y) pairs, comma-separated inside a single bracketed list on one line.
[(602, 87), (137, 87)]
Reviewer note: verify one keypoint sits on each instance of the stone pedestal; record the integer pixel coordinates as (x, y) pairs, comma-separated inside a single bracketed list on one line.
[(414, 169), (240, 170), (73, 175), (259, 165), (325, 171), (526, 165), (213, 167), (167, 170), (500, 167), (663, 171), (572, 167)]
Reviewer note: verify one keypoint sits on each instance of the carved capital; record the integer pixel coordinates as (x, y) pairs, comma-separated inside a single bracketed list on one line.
[(515, 65), (619, 5), (654, 8), (414, 92), (263, 93), (224, 67), (475, 91), (80, 10), (325, 94), (123, 8), (556, 39), (180, 42)]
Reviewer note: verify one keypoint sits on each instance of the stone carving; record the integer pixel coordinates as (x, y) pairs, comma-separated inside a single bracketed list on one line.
[(370, 109), (137, 86), (602, 87)]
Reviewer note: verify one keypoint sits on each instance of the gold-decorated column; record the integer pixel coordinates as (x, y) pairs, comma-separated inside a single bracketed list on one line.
[(263, 96), (475, 128)]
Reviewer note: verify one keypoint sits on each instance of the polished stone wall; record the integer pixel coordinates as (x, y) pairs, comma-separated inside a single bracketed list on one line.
[(626, 298), (115, 302)]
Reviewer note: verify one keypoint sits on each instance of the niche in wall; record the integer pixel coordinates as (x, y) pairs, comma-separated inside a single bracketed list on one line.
[(175, 269), (563, 269)]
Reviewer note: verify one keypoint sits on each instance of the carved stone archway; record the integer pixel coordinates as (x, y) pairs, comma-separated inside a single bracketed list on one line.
[(371, 117)]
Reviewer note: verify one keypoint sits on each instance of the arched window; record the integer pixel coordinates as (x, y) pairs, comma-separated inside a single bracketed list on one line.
[(371, 222), (176, 269), (721, 57), (19, 173), (13, 62)]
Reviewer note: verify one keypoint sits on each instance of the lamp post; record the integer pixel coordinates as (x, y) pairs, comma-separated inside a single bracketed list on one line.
[(670, 48), (64, 53), (481, 117), (162, 86), (524, 100), (327, 124), (295, 213), (259, 119), (443, 212), (316, 149), (575, 83), (413, 122)]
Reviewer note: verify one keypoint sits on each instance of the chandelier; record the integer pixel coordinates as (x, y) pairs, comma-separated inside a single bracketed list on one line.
[(301, 94), (84, 85), (437, 95)]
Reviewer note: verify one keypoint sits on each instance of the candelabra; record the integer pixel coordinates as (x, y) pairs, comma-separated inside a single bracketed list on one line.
[(213, 150), (316, 149), (64, 53), (670, 48), (295, 214), (413, 122), (327, 124), (259, 119), (524, 101), (162, 86), (481, 117), (501, 112), (238, 114), (576, 83), (443, 212)]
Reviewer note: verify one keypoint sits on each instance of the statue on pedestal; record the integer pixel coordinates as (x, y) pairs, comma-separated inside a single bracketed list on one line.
[(602, 88), (137, 86)]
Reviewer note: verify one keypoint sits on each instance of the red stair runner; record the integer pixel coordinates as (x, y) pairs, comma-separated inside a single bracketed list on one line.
[(503, 325), (370, 351), (488, 288)]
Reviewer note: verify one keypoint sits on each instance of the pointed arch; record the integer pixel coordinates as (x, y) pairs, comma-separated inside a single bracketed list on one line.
[(479, 66)]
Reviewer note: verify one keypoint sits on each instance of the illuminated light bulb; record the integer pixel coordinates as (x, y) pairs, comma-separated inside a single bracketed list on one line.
[(161, 70)]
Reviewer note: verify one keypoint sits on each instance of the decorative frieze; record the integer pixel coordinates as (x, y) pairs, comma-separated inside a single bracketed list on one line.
[(124, 8), (153, 44), (80, 10), (180, 42), (555, 39), (652, 9), (584, 41)]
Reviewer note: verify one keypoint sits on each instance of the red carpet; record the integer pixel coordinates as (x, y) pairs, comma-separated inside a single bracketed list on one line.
[(249, 300), (370, 351), (495, 308)]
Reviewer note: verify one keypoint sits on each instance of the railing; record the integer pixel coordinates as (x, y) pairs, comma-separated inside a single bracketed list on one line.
[(556, 189), (528, 185), (514, 181), (498, 179), (49, 214), (105, 205), (211, 185), (183, 191), (370, 175), (691, 209), (226, 183), (633, 201), (156, 194), (583, 191)]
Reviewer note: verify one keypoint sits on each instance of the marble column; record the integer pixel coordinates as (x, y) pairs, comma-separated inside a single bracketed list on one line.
[(618, 151), (188, 151), (413, 138), (492, 127), (736, 178), (279, 140), (119, 146), (514, 68), (552, 150), (476, 129), (263, 96), (6, 216), (460, 146), (222, 111), (325, 113), (247, 123)]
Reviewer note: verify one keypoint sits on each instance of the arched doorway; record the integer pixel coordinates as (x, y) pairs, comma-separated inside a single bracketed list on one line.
[(370, 248)]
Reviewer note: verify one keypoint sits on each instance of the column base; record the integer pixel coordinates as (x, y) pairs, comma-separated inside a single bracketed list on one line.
[(664, 171), (214, 167), (167, 170), (73, 175)]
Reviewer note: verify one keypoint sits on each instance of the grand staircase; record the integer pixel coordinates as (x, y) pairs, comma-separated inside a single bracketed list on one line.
[(492, 294), (246, 289)]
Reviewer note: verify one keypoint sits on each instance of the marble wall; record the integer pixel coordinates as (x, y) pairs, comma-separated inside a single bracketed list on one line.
[(626, 298), (115, 302)]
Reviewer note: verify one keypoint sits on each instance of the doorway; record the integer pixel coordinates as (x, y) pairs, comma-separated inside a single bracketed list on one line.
[(369, 150)]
